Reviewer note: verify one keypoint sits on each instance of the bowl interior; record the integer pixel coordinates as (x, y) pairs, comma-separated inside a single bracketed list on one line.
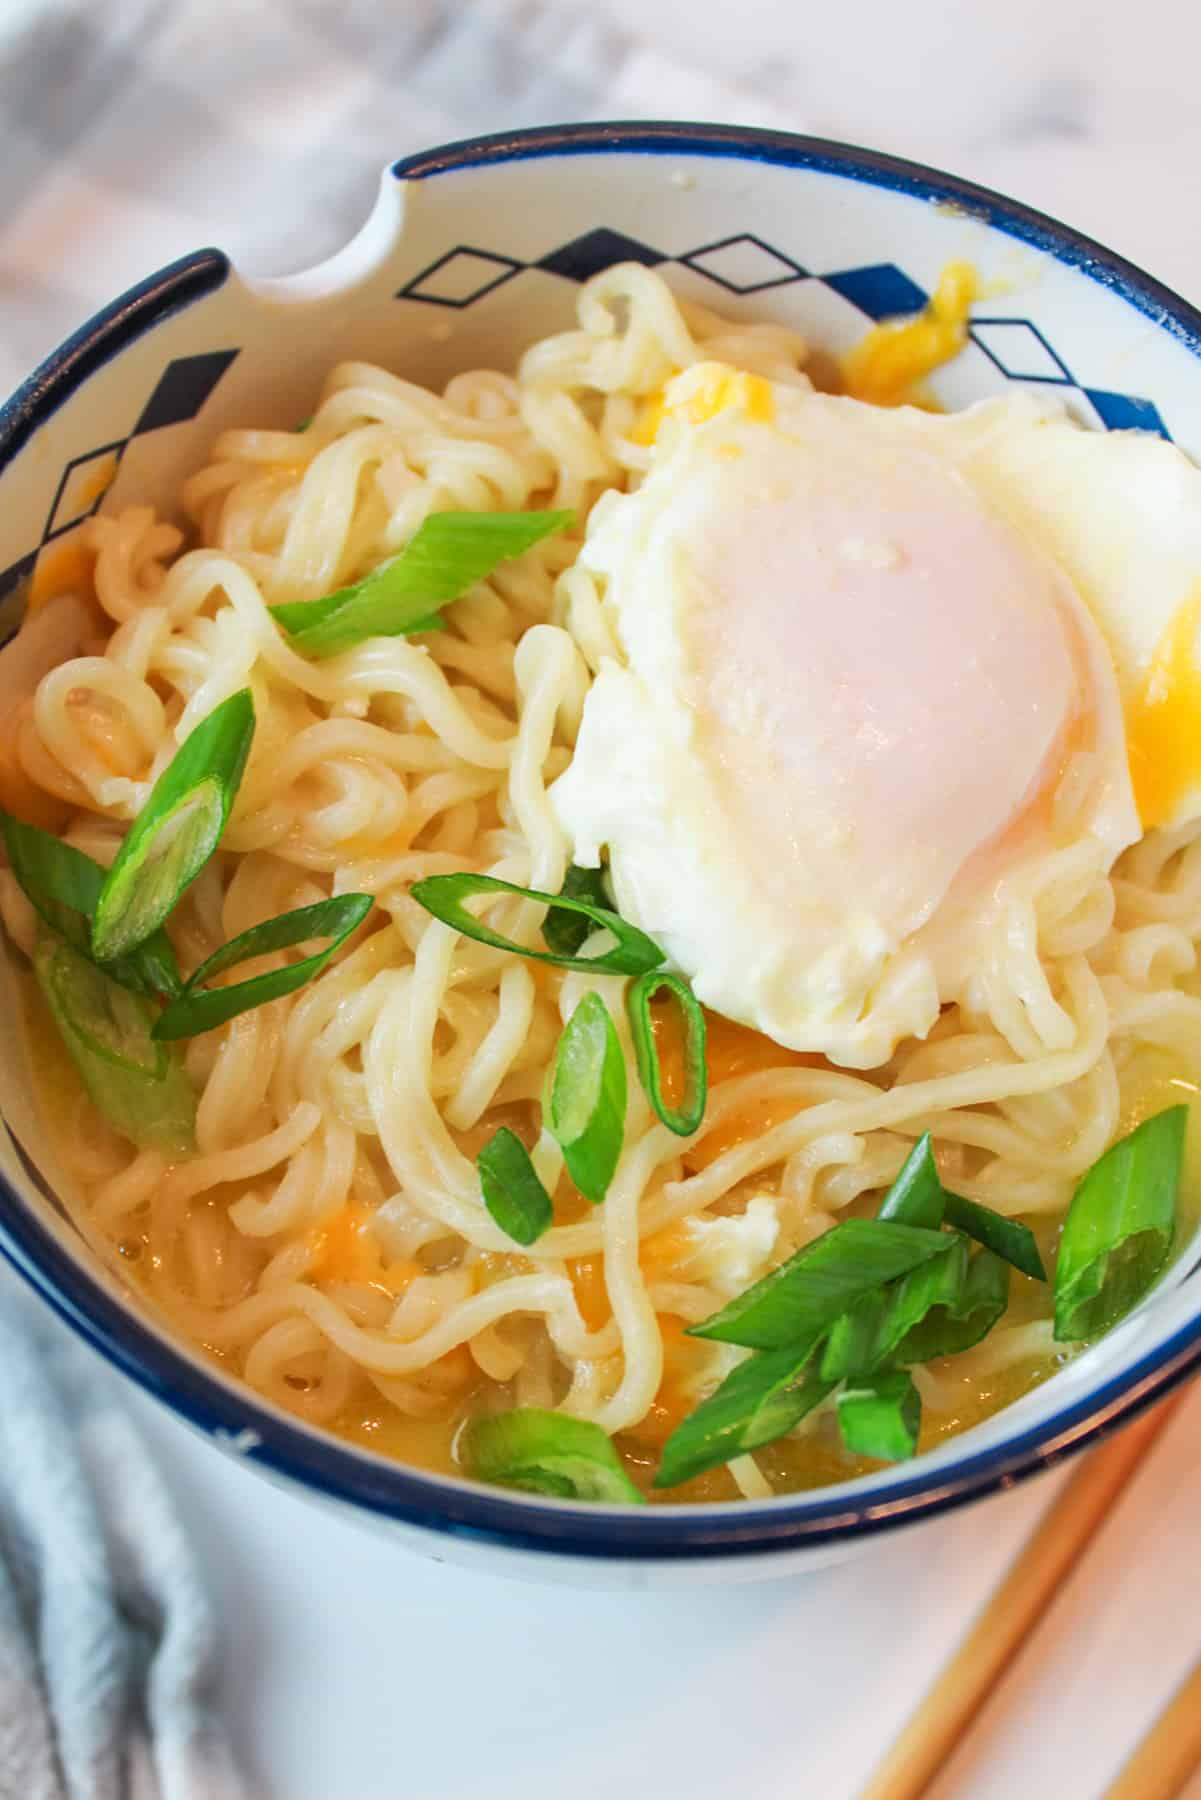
[(469, 256)]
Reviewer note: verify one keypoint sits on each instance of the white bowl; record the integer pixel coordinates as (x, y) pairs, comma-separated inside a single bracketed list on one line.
[(471, 253)]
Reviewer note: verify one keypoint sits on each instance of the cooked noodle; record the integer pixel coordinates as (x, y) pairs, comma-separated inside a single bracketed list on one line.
[(328, 1238)]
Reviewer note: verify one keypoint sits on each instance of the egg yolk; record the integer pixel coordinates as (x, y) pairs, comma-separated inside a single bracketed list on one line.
[(700, 393), (345, 1250), (62, 568), (892, 357), (731, 1050), (1163, 723)]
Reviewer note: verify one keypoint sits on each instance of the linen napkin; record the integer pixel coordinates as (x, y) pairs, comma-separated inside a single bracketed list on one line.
[(107, 1647)]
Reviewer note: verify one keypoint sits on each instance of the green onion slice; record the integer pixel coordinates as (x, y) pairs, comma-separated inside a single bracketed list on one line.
[(547, 1453), (443, 895), (199, 1009), (1119, 1228), (176, 831), (64, 885), (916, 1197), (446, 556), (565, 932), (858, 1340), (588, 1097), (805, 1295), (961, 1320), (880, 1416), (868, 1333), (1007, 1238), (940, 1308), (758, 1402), (137, 1085), (512, 1191), (686, 1118)]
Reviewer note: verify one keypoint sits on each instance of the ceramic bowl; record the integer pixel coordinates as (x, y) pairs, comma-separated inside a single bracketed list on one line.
[(471, 252)]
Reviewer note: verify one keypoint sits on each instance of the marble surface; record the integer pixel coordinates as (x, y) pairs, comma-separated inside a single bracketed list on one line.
[(1087, 109), (355, 1669)]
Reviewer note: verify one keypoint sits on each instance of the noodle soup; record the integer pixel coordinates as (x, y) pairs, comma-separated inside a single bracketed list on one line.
[(591, 929)]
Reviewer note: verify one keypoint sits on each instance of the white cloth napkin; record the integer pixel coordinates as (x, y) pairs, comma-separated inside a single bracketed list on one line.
[(108, 1657)]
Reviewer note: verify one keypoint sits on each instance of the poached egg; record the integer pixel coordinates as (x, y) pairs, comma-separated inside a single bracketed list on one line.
[(850, 653)]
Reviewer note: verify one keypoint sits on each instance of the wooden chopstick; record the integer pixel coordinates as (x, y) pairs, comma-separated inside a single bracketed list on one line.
[(1171, 1751), (1016, 1605)]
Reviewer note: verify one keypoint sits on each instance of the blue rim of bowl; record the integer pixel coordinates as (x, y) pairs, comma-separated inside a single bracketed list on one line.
[(101, 338), (321, 1463)]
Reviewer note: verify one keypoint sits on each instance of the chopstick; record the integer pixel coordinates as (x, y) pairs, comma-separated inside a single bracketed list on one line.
[(1160, 1767), (1016, 1605)]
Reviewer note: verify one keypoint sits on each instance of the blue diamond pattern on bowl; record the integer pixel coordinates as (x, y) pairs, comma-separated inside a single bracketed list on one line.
[(461, 277), (882, 291), (1019, 350), (744, 265), (1126, 412), (182, 389), (83, 485), (586, 256)]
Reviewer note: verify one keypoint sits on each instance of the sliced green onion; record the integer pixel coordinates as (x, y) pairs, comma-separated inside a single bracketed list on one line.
[(136, 1084), (64, 885), (881, 1416), (853, 1346), (199, 1009), (512, 1191), (1007, 1238), (758, 1402), (867, 1334), (964, 1319), (1119, 1228), (446, 556), (916, 1196), (547, 1453), (565, 932), (588, 1097), (61, 882), (443, 895), (803, 1297), (686, 1118), (176, 831), (150, 969)]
